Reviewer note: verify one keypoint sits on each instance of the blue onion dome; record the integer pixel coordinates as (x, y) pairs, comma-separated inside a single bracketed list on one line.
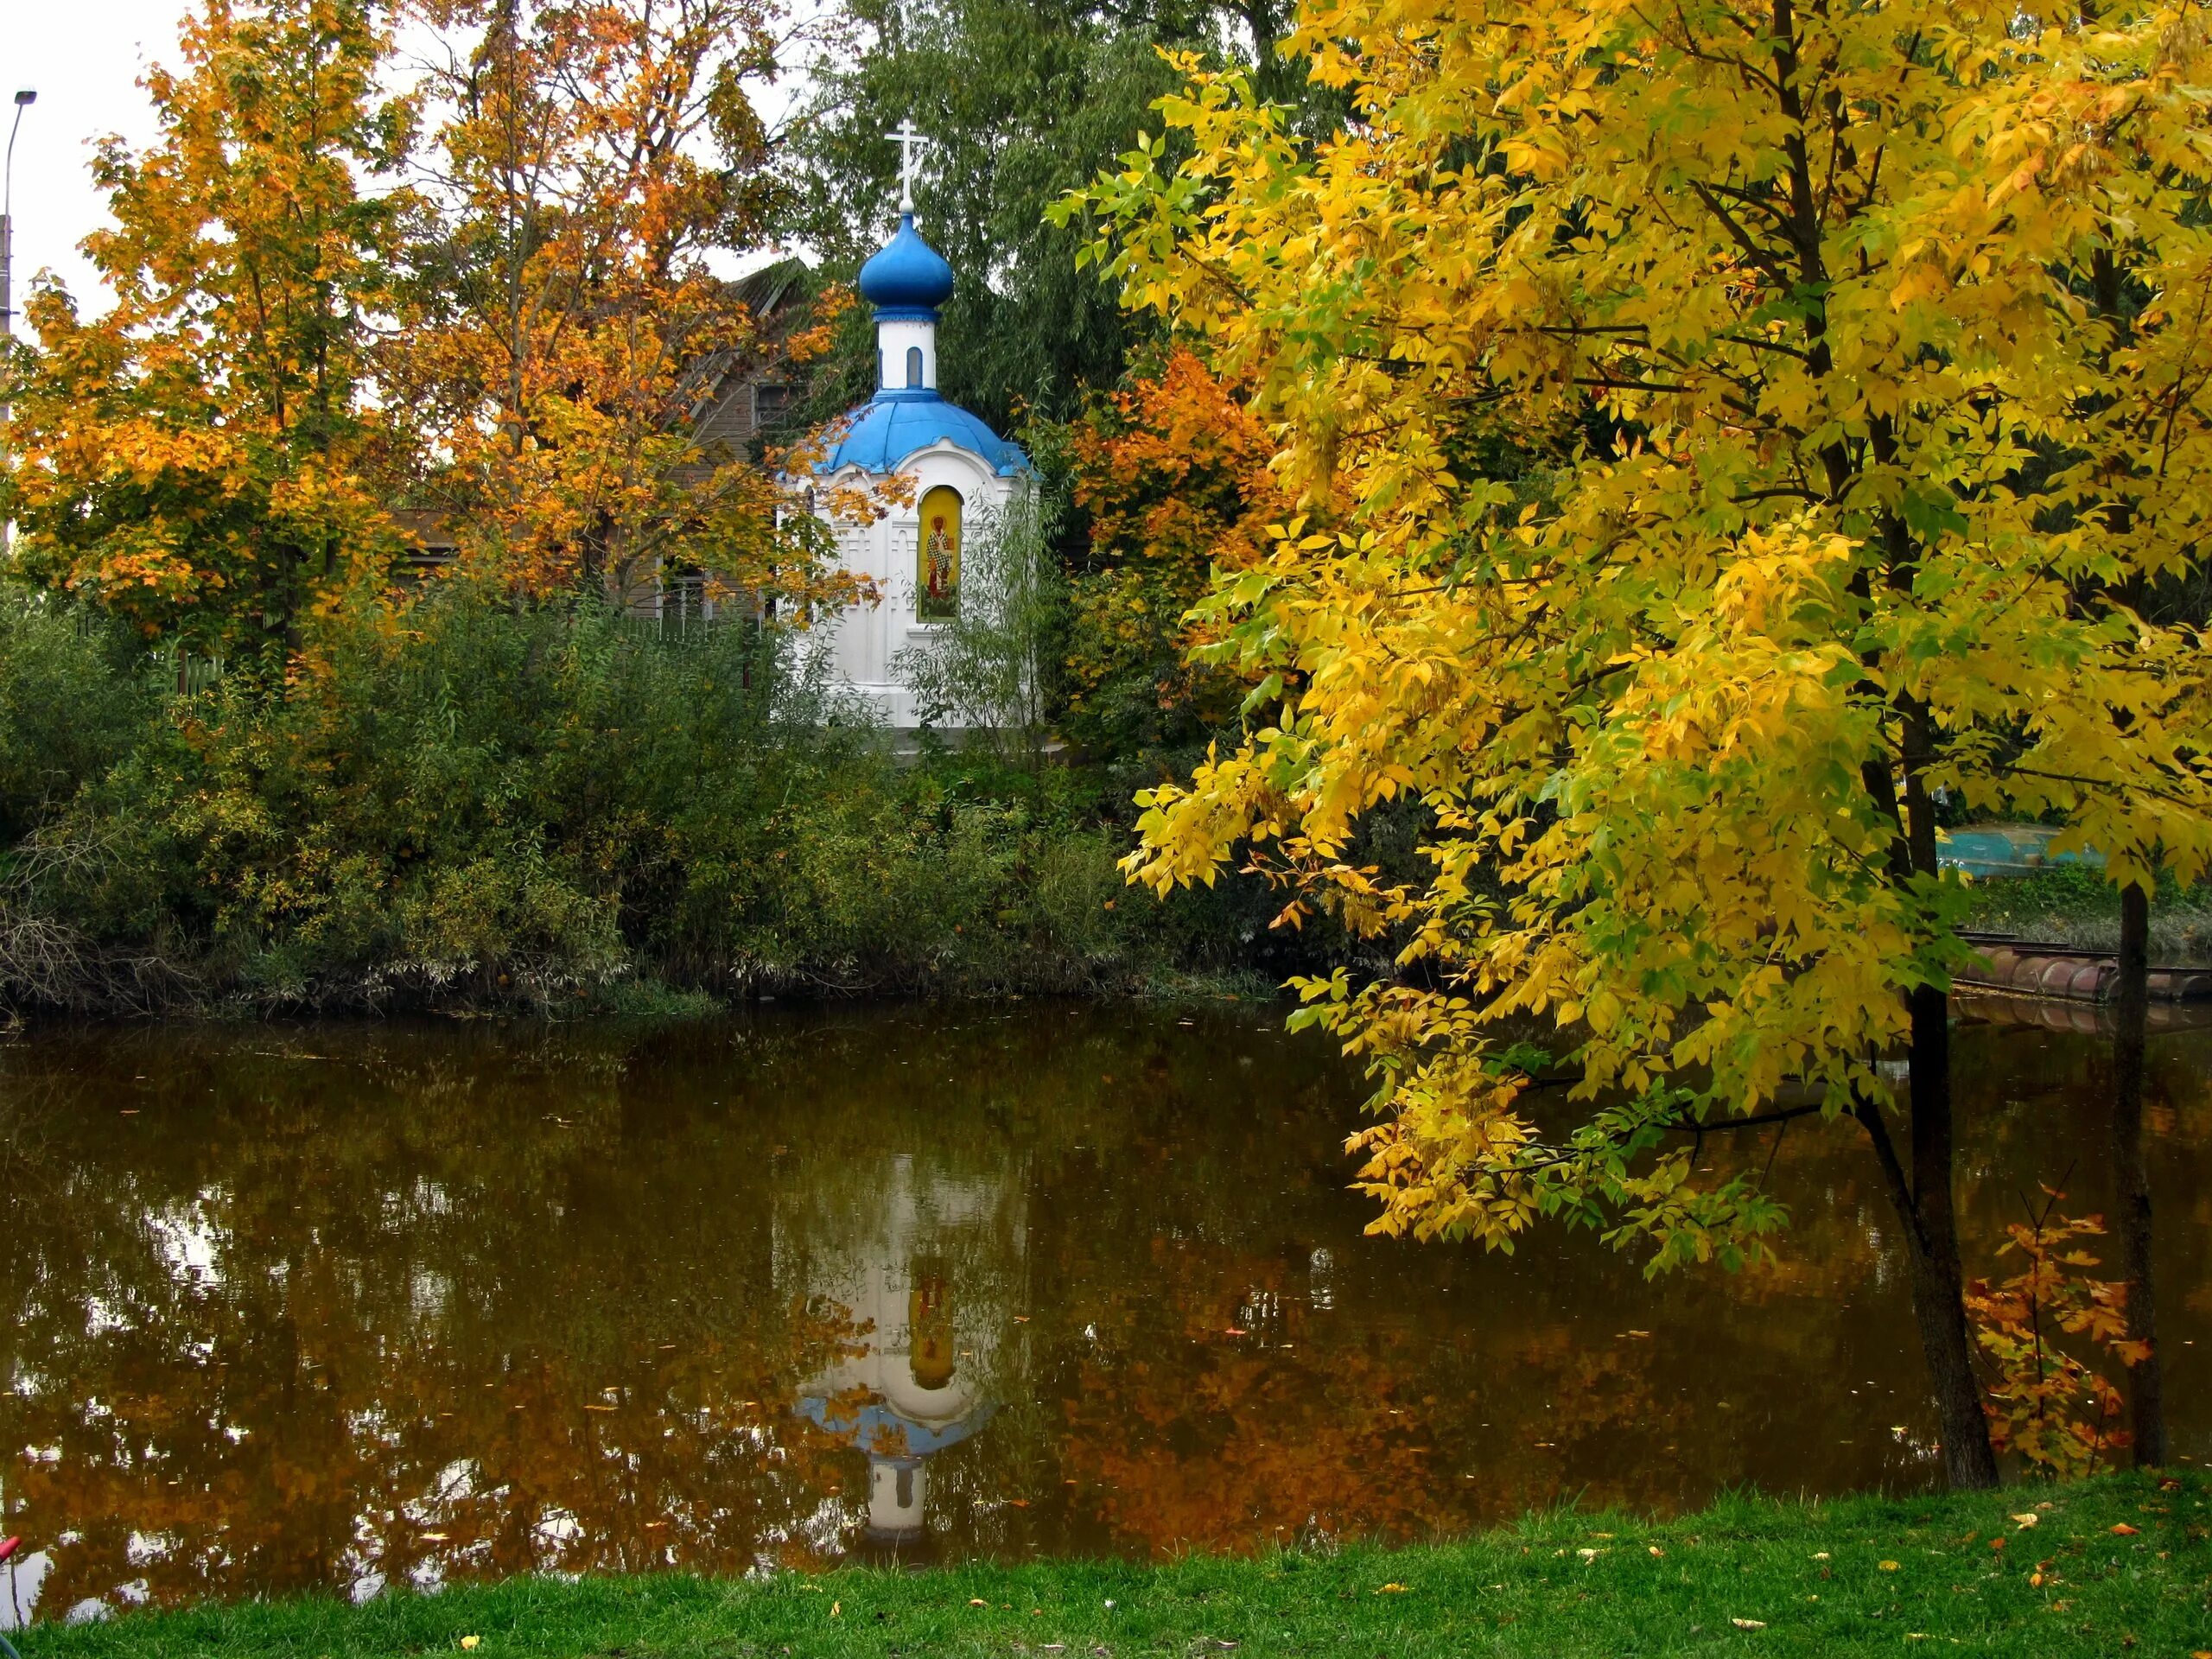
[(907, 275)]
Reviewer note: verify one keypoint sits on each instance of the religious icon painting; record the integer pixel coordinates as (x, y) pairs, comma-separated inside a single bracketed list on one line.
[(937, 577)]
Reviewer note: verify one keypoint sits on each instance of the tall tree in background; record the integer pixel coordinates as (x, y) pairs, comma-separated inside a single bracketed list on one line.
[(1865, 479), (1024, 100), (193, 458), (564, 331)]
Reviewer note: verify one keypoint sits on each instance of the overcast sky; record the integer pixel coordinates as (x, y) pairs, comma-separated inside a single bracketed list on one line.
[(85, 58)]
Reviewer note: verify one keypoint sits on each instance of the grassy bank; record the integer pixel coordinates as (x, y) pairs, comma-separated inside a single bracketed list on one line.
[(2117, 1565)]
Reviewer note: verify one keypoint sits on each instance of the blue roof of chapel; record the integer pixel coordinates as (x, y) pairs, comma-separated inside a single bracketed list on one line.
[(883, 432), (908, 280)]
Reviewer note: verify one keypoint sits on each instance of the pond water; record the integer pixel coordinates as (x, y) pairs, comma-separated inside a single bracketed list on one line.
[(345, 1308)]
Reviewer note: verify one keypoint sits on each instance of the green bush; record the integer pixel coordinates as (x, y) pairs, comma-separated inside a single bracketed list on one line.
[(72, 701), (468, 801), (2075, 904)]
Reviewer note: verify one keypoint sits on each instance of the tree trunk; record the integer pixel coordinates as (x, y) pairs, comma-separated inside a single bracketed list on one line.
[(1932, 1232), (1923, 1196), (1923, 1202), (2132, 1008)]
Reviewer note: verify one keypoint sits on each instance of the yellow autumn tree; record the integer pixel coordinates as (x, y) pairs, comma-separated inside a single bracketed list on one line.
[(1879, 331), (194, 459)]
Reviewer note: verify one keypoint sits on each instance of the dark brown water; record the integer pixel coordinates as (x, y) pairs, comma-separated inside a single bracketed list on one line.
[(352, 1308)]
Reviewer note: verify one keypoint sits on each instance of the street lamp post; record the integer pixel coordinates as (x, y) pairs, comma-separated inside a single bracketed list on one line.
[(24, 100)]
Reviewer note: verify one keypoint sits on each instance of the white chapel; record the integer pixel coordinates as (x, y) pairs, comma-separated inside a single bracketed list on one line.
[(958, 469)]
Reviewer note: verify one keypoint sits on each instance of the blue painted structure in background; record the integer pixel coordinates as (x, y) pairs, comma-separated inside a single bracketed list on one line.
[(1985, 849)]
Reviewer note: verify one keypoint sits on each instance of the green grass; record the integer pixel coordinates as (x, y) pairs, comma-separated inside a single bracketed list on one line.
[(1863, 1575)]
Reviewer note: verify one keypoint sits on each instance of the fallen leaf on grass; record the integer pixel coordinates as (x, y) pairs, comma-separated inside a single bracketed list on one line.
[(1819, 1554), (837, 1608), (468, 1643), (2027, 1518), (2124, 1530), (977, 1601), (1656, 1550), (1749, 1624), (1887, 1566), (1392, 1589)]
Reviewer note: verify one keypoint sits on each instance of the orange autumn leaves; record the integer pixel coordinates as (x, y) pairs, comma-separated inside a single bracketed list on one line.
[(475, 285), (2059, 1415), (1172, 472), (594, 157)]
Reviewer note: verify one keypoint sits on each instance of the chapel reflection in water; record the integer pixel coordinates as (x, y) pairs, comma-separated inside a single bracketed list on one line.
[(928, 1266)]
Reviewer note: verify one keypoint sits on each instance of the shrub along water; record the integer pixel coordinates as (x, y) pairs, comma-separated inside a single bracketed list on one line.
[(469, 802)]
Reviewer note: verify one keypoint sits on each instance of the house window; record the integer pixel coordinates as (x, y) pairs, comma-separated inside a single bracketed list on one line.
[(937, 575), (771, 404), (685, 602), (913, 368)]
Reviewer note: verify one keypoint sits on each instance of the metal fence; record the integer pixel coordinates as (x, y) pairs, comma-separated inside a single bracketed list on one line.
[(183, 672)]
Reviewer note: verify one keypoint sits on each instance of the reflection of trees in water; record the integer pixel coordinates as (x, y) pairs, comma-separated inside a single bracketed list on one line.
[(300, 1323), (374, 1305)]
